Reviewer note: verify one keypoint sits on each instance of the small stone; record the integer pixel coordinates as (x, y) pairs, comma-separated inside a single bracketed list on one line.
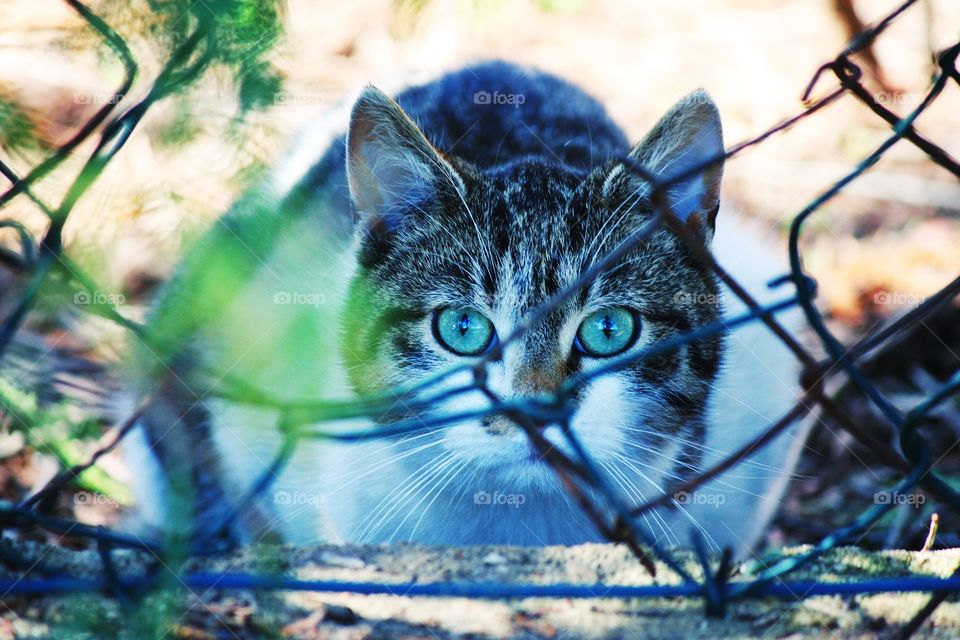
[(346, 562), (340, 614), (10, 443)]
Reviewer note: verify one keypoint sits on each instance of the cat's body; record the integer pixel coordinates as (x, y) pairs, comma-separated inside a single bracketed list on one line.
[(353, 276)]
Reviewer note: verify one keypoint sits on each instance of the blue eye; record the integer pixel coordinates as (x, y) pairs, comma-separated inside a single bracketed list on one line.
[(463, 330), (607, 332)]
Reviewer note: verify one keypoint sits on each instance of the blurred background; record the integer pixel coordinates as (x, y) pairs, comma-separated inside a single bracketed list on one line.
[(888, 241)]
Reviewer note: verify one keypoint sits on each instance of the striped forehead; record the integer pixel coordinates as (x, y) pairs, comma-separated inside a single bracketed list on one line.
[(531, 235)]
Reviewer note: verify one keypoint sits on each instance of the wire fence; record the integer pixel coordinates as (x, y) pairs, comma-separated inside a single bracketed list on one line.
[(613, 515)]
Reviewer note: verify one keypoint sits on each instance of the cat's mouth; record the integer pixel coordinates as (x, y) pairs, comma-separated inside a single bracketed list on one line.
[(498, 425)]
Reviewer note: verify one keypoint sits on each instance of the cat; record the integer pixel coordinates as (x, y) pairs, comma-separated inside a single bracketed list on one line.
[(419, 240)]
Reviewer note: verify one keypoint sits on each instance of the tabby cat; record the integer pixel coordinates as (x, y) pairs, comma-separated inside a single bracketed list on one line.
[(419, 241)]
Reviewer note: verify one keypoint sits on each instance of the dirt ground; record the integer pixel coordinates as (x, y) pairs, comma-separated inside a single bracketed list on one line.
[(220, 613)]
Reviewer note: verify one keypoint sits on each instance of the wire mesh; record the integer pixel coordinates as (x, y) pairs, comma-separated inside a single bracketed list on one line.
[(39, 260)]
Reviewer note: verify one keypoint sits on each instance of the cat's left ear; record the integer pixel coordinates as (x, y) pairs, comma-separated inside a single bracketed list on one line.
[(392, 169), (687, 136)]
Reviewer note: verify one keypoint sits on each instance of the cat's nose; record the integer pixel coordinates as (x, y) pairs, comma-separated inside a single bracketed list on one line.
[(538, 379)]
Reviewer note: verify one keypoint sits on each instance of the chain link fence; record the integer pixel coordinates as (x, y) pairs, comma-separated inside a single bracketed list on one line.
[(40, 259)]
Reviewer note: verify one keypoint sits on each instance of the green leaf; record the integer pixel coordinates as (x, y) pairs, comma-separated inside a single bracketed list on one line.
[(17, 130)]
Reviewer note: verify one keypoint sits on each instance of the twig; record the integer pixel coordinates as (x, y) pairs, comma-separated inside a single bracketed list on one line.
[(932, 534)]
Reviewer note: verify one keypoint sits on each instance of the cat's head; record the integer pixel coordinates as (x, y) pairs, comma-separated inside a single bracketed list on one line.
[(453, 258)]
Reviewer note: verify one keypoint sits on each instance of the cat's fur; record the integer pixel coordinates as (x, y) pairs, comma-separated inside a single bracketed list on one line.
[(444, 198)]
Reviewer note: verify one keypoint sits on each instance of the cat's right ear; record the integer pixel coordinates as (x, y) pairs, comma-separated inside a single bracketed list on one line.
[(393, 171), (688, 136)]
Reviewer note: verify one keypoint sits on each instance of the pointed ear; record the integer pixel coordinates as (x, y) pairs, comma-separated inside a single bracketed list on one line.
[(686, 137), (392, 169)]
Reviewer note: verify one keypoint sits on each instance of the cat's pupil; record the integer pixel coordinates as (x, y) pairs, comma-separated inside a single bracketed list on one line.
[(464, 324), (608, 326)]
